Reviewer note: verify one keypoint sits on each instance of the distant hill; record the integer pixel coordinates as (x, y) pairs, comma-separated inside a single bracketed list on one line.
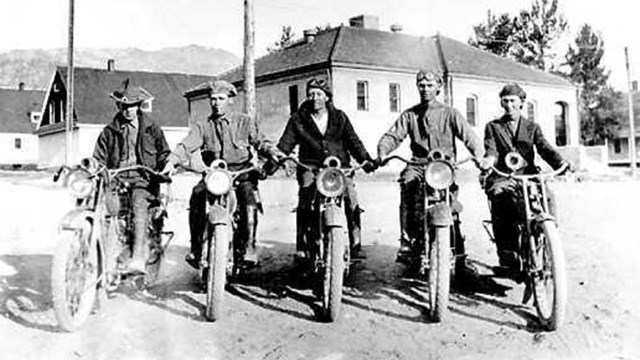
[(35, 67)]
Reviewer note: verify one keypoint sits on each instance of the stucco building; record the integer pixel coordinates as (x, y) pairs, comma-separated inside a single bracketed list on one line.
[(19, 114)]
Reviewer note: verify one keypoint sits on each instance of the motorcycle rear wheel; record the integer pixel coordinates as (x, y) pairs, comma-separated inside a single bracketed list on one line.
[(217, 271), (550, 285), (334, 274), (439, 273), (74, 274)]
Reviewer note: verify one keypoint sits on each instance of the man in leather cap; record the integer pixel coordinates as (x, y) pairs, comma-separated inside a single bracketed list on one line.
[(429, 125), (320, 130), (133, 139), (229, 136), (513, 132)]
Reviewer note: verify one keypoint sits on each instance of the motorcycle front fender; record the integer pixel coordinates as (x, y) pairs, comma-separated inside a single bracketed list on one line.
[(219, 215), (331, 216), (440, 215), (74, 218)]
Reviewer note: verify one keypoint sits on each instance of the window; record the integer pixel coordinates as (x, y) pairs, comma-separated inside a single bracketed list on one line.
[(472, 110), (146, 106), (561, 123), (18, 143), (363, 95), (394, 97), (616, 146), (531, 111), (293, 98)]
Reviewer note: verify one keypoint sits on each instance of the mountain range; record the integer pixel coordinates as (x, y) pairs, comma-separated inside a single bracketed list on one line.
[(34, 67)]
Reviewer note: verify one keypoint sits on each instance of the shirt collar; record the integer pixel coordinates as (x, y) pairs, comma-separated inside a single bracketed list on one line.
[(133, 123)]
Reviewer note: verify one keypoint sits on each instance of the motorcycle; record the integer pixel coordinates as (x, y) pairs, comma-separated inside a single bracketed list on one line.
[(94, 239), (542, 264), (331, 255), (221, 257), (440, 253)]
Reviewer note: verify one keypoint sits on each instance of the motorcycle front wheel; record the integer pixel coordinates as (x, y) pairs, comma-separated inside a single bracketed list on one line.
[(549, 283), (334, 274), (217, 272), (439, 273), (74, 276)]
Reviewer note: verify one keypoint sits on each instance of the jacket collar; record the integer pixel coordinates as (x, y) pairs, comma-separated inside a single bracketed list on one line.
[(308, 122), (115, 123)]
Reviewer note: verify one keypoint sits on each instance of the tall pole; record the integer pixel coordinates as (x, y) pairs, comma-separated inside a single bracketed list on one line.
[(249, 71), (632, 132), (69, 122)]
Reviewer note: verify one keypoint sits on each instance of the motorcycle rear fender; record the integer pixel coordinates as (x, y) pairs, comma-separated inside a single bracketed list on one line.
[(440, 215), (331, 216), (219, 216)]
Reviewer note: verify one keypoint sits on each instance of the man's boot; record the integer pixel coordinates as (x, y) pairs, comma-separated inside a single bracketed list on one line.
[(138, 263), (404, 252), (251, 252), (196, 228)]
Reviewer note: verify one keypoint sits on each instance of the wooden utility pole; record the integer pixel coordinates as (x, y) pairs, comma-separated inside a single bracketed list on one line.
[(70, 76), (632, 131), (249, 71)]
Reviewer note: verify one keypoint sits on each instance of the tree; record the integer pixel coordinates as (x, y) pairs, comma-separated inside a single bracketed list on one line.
[(527, 38), (286, 38), (600, 106)]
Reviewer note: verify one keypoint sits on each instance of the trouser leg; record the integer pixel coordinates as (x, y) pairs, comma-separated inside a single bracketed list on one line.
[(307, 222), (352, 211), (197, 217), (412, 211), (504, 219), (140, 202), (247, 219)]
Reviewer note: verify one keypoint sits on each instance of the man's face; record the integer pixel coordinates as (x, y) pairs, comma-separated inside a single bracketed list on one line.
[(512, 104), (129, 112), (428, 89), (219, 103), (318, 98)]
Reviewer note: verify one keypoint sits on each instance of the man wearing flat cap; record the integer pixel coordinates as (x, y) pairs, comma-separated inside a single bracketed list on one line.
[(133, 139), (512, 132), (229, 136), (321, 130), (429, 125)]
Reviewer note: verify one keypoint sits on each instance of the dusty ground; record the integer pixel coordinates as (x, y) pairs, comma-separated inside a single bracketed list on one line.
[(271, 316)]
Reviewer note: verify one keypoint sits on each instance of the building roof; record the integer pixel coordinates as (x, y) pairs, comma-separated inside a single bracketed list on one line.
[(357, 46), (92, 104), (16, 107)]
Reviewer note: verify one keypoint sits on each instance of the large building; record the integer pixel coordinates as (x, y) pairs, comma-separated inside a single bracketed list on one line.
[(93, 108), (372, 73), (19, 114)]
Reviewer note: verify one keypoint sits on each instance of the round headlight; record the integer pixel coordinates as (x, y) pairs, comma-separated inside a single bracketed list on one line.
[(439, 175), (218, 182), (515, 161), (80, 184), (330, 182)]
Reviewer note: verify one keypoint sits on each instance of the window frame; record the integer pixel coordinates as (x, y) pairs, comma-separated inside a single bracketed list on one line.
[(397, 101), (472, 121), (364, 96)]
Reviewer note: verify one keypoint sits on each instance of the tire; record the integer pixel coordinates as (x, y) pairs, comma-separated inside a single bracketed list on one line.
[(217, 271), (334, 274), (550, 290), (439, 273), (74, 275)]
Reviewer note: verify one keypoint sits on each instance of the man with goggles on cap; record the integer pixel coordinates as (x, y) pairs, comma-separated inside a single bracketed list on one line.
[(229, 136), (320, 130), (133, 139), (429, 125), (513, 132)]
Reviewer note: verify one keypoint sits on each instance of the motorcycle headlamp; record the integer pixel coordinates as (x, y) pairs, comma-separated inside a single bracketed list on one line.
[(330, 182), (515, 161), (80, 183), (439, 175), (218, 182)]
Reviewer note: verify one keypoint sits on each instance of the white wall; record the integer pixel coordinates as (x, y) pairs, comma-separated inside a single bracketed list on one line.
[(27, 154)]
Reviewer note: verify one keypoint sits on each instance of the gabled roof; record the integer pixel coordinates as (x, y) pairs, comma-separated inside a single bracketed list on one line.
[(92, 104), (16, 107), (354, 46)]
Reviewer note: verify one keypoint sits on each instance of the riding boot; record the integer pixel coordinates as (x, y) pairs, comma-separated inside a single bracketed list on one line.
[(251, 253), (140, 248), (405, 241), (353, 224), (197, 223)]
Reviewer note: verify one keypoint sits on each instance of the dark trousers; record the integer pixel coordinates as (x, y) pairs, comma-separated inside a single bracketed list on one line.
[(141, 197), (246, 214), (307, 220)]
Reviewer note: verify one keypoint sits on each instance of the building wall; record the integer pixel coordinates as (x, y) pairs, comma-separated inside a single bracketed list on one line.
[(619, 153), (26, 155)]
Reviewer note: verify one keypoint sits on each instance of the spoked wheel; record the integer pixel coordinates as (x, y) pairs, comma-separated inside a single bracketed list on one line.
[(550, 283), (439, 273), (333, 275), (74, 276), (217, 271)]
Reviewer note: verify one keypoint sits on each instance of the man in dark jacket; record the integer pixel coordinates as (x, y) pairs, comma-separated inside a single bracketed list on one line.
[(228, 136), (321, 130), (512, 133), (132, 139), (430, 125)]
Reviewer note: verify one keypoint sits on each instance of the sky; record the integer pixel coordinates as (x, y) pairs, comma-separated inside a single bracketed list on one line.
[(154, 24)]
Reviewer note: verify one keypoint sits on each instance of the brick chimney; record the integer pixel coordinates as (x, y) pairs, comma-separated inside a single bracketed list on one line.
[(111, 65), (365, 22), (21, 86), (309, 35)]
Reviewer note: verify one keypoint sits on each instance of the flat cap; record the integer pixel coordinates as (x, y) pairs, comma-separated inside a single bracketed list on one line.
[(513, 89)]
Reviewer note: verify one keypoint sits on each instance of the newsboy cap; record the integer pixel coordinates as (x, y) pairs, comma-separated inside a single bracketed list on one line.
[(315, 83), (428, 75), (513, 89), (130, 95), (221, 87)]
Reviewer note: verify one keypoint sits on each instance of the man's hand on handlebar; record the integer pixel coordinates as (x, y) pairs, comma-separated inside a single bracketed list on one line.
[(485, 163), (169, 169), (369, 166)]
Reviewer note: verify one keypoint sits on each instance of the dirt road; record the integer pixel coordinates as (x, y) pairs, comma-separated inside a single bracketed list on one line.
[(271, 315)]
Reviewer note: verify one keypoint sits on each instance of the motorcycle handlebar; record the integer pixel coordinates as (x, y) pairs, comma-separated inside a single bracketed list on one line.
[(554, 173), (419, 162), (346, 171), (162, 178)]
